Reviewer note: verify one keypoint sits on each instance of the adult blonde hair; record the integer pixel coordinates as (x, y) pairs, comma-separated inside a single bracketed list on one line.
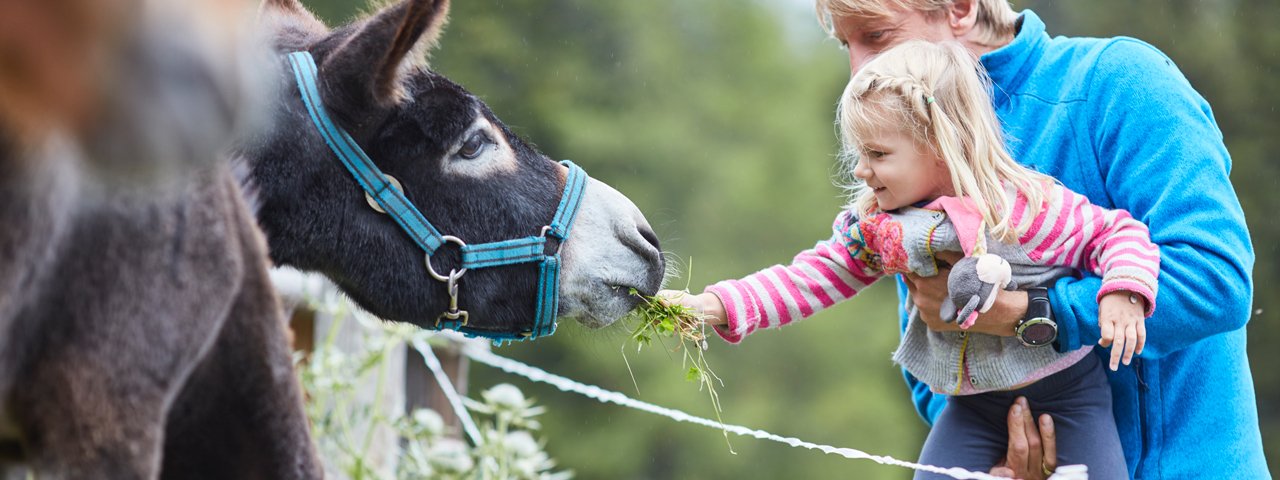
[(995, 22), (938, 94)]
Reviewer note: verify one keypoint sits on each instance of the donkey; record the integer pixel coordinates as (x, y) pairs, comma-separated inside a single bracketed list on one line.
[(139, 334), (139, 330), (470, 177)]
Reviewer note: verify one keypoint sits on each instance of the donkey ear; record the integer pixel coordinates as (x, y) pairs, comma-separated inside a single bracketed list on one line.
[(366, 66)]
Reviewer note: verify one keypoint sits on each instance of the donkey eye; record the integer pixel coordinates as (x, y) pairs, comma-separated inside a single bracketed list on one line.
[(473, 146)]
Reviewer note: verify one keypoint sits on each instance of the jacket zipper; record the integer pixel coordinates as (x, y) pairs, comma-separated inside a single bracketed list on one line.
[(1143, 435)]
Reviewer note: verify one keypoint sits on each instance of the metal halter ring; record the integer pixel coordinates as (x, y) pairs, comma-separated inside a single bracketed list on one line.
[(374, 203), (453, 274), (559, 241)]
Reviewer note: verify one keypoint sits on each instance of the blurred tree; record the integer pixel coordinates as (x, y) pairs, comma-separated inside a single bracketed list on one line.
[(715, 117)]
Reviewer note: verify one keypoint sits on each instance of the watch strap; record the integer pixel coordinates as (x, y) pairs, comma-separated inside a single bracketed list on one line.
[(1038, 304)]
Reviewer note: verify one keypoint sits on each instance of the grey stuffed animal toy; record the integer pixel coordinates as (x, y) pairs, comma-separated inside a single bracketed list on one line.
[(973, 285)]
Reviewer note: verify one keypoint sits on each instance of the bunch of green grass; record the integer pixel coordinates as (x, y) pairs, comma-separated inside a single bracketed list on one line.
[(682, 330)]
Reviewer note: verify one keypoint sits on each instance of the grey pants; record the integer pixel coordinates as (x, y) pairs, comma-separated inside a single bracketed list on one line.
[(972, 432)]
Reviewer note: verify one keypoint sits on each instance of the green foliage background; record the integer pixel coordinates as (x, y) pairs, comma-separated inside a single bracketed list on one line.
[(715, 117)]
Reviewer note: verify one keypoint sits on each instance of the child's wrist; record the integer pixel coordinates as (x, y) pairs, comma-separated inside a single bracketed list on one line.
[(711, 307), (1129, 297)]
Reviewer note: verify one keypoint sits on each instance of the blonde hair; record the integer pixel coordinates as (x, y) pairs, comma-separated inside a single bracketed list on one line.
[(995, 18), (938, 94)]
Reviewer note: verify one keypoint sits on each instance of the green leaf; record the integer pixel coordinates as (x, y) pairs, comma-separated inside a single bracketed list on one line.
[(693, 374)]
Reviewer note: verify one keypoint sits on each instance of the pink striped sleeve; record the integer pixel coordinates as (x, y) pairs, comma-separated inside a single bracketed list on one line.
[(1069, 231), (817, 278)]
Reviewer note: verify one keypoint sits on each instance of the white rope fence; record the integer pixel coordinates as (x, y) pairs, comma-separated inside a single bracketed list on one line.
[(451, 393), (606, 396), (297, 285)]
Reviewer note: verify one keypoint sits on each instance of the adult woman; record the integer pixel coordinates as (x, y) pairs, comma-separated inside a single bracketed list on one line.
[(1115, 120)]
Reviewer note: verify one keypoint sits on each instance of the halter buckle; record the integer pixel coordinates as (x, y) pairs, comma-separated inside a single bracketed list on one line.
[(453, 314), (374, 203)]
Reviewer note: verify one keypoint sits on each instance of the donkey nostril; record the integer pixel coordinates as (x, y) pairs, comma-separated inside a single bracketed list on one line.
[(649, 236)]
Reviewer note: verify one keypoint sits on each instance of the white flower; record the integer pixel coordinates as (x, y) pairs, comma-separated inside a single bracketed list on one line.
[(521, 444), (428, 421), (451, 456), (505, 396)]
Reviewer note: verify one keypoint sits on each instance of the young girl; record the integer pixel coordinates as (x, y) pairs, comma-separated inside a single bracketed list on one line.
[(933, 176)]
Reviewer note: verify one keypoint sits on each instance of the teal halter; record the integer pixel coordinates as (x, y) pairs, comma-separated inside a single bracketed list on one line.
[(384, 194)]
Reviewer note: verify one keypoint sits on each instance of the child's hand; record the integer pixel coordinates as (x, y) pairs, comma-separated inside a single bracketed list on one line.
[(1122, 323), (706, 304)]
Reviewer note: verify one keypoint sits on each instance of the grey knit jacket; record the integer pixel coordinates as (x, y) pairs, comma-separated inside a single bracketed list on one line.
[(994, 362)]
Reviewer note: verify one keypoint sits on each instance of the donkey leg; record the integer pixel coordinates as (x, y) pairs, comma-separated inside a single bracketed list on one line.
[(102, 367), (240, 414), (88, 417)]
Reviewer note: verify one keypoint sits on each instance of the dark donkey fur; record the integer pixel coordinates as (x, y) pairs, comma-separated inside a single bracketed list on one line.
[(139, 333), (417, 125)]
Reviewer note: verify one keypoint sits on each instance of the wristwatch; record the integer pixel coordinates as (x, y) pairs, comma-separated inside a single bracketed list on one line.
[(1037, 328)]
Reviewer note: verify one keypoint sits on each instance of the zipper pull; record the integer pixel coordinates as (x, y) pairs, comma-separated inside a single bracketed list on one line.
[(1137, 371)]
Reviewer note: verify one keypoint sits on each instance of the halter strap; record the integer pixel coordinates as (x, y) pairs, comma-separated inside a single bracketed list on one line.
[(371, 179), (474, 256)]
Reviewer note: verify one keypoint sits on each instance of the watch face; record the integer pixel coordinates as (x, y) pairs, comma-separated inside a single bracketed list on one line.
[(1038, 333)]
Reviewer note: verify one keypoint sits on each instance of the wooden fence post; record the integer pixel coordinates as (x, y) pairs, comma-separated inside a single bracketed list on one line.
[(422, 391)]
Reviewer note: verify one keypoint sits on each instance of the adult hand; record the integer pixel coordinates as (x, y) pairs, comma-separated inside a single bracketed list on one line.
[(1033, 451), (928, 293)]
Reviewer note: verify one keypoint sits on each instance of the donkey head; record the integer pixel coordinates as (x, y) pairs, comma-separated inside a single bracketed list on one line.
[(467, 173)]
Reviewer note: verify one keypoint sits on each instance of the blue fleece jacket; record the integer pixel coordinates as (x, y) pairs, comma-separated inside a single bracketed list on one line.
[(1115, 120)]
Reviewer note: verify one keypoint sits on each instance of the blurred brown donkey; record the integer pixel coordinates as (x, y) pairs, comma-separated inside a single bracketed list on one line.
[(139, 333)]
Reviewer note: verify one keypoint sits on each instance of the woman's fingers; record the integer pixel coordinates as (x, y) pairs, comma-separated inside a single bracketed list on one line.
[(927, 294), (1017, 454), (1024, 441), (1035, 449), (1049, 442)]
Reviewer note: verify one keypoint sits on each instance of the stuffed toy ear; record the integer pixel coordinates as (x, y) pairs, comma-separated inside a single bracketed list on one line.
[(962, 285), (948, 311), (969, 313)]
